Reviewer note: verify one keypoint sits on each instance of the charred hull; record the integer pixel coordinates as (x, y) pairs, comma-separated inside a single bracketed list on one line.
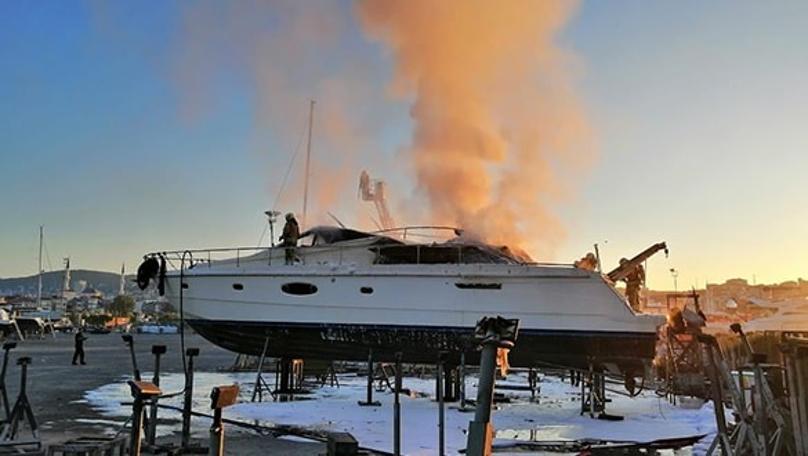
[(627, 351)]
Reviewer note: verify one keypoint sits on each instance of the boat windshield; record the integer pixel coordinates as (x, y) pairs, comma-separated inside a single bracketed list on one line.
[(324, 235)]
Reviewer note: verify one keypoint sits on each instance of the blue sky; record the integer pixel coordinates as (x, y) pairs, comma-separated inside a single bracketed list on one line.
[(699, 110)]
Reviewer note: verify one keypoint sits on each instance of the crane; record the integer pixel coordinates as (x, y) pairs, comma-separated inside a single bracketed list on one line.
[(625, 269), (374, 190)]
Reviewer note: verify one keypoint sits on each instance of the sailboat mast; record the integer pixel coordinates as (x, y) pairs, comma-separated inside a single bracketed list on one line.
[(308, 162), (39, 277)]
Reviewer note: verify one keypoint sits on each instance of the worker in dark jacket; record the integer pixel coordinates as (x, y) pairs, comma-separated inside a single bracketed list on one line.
[(291, 233), (78, 353), (634, 282)]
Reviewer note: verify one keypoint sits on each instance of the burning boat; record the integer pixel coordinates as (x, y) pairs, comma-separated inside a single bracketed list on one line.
[(350, 291)]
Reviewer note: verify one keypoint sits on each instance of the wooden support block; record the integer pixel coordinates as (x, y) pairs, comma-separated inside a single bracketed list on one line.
[(224, 396)]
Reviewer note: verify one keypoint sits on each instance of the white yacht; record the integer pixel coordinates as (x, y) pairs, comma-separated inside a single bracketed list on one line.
[(350, 291)]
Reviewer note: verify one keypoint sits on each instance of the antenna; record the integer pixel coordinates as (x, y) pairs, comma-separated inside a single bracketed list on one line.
[(272, 217), (308, 163), (39, 278)]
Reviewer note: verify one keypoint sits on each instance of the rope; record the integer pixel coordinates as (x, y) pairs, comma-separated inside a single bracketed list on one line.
[(283, 182)]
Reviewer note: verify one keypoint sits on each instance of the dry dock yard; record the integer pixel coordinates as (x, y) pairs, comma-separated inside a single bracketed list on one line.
[(534, 412)]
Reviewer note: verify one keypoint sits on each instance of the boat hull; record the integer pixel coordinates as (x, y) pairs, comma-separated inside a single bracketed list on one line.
[(568, 317), (625, 351)]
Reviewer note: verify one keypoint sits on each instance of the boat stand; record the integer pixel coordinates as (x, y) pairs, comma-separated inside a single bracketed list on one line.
[(7, 347), (185, 442), (795, 356), (220, 397), (684, 370), (397, 408), (533, 384), (722, 437), (22, 408), (288, 378), (439, 374), (260, 383), (151, 429), (451, 383), (142, 393), (461, 380), (492, 333), (130, 342), (743, 438), (330, 376), (593, 393), (369, 402), (772, 419)]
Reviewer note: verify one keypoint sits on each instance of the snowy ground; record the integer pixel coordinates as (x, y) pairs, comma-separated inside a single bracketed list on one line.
[(555, 417)]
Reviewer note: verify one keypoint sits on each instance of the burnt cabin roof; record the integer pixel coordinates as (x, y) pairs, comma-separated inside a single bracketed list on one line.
[(394, 251)]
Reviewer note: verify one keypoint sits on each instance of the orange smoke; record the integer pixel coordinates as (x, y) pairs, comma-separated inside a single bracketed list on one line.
[(498, 129)]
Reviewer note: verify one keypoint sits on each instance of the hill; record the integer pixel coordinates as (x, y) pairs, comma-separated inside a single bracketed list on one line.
[(106, 282)]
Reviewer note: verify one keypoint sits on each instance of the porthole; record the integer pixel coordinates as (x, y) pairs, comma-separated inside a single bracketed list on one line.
[(184, 286), (238, 286), (299, 288), (366, 290)]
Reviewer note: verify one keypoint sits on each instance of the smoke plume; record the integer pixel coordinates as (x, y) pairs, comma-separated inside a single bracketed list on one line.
[(498, 131), (284, 53)]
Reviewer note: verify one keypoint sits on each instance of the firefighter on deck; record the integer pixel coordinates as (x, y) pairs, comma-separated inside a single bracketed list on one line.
[(291, 233), (634, 281)]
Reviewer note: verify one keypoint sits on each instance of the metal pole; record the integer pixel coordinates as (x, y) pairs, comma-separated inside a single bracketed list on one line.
[(137, 427), (397, 409), (39, 272), (188, 399), (258, 384), (151, 430), (308, 162), (461, 377), (480, 429), (130, 342), (216, 434), (441, 411), (370, 401), (370, 377), (722, 438)]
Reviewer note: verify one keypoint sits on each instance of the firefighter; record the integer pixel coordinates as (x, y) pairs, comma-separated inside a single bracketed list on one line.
[(78, 352), (634, 281), (291, 233), (589, 262)]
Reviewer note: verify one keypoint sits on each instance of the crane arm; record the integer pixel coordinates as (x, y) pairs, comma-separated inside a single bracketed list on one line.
[(625, 269)]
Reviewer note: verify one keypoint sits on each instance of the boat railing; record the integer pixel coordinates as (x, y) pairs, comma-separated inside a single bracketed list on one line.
[(192, 258)]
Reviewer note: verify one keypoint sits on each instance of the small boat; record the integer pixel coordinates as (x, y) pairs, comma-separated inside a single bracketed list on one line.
[(350, 291)]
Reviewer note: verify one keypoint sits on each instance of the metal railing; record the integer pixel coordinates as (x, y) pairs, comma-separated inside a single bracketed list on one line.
[(237, 255), (305, 254)]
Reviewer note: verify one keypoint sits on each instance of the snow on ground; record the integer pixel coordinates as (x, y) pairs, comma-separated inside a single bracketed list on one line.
[(107, 399), (555, 417)]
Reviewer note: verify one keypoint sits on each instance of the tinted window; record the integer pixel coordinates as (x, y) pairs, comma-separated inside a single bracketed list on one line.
[(479, 286)]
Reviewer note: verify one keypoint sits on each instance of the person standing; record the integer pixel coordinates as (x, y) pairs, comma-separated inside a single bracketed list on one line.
[(291, 233), (78, 352), (634, 282)]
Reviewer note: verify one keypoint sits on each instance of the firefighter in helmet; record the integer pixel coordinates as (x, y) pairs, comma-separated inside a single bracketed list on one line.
[(291, 233)]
